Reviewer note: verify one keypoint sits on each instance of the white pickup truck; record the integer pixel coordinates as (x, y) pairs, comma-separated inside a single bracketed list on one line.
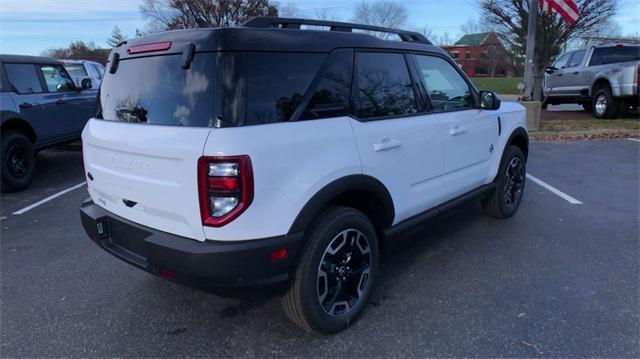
[(81, 69), (604, 79)]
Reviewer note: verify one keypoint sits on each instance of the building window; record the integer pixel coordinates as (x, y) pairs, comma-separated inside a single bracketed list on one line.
[(467, 55), (454, 55)]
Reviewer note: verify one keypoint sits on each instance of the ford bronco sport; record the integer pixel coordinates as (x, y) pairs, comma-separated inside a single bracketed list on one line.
[(281, 153)]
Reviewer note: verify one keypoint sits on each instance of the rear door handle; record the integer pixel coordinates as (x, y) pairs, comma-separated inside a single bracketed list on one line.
[(61, 102), (386, 144), (457, 130), (25, 105)]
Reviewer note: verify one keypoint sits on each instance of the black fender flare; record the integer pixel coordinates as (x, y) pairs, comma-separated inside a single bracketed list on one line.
[(341, 186), (15, 120), (515, 135)]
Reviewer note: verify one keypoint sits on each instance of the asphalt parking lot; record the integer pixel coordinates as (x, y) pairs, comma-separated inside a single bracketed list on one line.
[(560, 279)]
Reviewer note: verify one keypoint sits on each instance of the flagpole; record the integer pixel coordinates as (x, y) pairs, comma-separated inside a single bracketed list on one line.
[(527, 93)]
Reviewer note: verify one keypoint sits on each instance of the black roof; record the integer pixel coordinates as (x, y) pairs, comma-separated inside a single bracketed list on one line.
[(28, 59), (266, 38)]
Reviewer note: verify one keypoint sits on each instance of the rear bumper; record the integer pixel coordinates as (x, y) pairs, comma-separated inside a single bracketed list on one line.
[(209, 265)]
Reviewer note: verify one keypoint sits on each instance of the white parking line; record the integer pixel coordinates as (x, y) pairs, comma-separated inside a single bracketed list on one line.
[(554, 190), (53, 196), (633, 139)]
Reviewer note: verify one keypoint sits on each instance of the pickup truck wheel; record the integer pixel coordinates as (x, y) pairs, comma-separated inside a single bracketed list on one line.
[(510, 183), (18, 161), (603, 104), (336, 272)]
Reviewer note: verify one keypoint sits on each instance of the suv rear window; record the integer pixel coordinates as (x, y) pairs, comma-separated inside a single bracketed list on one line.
[(614, 54), (157, 90)]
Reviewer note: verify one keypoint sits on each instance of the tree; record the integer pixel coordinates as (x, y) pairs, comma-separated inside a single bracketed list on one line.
[(116, 37), (473, 26), (79, 50), (510, 17), (381, 13), (184, 14), (443, 40)]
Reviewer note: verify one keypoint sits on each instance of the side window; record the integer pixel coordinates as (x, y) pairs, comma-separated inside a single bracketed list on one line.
[(577, 58), (446, 88), (276, 83), (76, 70), (57, 78), (562, 61), (614, 54), (331, 97), (23, 78), (99, 70), (384, 85)]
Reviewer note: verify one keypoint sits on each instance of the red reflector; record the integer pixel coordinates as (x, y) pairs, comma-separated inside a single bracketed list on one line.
[(167, 274), (223, 184), (156, 46), (278, 254)]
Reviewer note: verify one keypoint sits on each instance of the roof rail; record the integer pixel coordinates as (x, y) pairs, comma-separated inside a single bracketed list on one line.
[(293, 23)]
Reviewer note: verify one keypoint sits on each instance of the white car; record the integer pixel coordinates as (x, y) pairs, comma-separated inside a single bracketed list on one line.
[(270, 156), (81, 69)]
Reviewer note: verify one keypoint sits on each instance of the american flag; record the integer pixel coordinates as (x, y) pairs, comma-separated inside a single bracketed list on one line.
[(568, 9)]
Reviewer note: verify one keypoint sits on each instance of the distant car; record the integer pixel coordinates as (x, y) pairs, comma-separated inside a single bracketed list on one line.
[(604, 79), (81, 69), (40, 106)]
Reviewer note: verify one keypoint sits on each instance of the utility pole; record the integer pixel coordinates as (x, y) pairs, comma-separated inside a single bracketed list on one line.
[(527, 93)]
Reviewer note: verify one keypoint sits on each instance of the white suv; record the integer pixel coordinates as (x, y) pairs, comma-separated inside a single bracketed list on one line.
[(274, 156)]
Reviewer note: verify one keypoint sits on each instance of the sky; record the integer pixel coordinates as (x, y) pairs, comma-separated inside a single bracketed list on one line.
[(31, 26)]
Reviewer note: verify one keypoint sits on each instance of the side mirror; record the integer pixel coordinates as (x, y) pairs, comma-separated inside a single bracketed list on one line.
[(489, 101), (550, 70), (85, 84)]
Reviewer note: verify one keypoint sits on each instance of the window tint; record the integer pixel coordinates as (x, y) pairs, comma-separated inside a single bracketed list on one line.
[(157, 90), (76, 70), (446, 88), (384, 85), (23, 78), (561, 62), (331, 97), (56, 78), (576, 60), (614, 54), (276, 83)]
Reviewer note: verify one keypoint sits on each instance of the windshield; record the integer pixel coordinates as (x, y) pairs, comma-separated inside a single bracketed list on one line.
[(157, 90), (76, 70)]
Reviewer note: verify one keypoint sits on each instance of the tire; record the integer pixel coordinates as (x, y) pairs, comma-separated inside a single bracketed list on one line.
[(604, 105), (18, 162), (350, 235), (510, 183)]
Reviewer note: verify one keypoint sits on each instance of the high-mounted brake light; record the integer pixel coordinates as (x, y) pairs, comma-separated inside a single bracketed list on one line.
[(225, 188), (156, 46)]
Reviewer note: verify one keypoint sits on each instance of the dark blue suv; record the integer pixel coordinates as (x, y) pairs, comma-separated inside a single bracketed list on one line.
[(40, 106)]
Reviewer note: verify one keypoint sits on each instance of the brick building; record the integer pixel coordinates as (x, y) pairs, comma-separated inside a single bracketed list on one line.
[(481, 55)]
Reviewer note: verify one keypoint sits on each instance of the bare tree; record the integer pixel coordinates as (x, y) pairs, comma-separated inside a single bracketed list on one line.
[(443, 39), (182, 14), (79, 50), (509, 17), (473, 26), (381, 13), (325, 14), (289, 10)]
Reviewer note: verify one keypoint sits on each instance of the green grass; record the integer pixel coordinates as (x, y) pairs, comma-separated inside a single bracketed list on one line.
[(500, 85)]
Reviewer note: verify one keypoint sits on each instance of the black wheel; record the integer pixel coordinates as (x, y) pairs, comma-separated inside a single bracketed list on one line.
[(603, 104), (335, 274), (510, 183), (18, 161)]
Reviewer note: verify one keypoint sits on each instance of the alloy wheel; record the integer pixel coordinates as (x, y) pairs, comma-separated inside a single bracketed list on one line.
[(343, 273), (514, 182), (601, 104), (17, 161)]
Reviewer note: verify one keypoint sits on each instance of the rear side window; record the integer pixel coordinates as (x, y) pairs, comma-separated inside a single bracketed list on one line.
[(576, 60), (384, 85), (276, 83), (99, 70), (446, 88), (331, 97), (23, 78), (157, 90), (614, 54)]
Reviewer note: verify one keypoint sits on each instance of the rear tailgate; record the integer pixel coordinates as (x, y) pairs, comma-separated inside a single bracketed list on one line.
[(141, 153)]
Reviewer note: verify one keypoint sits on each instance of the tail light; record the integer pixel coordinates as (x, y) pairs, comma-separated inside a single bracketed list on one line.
[(225, 188)]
